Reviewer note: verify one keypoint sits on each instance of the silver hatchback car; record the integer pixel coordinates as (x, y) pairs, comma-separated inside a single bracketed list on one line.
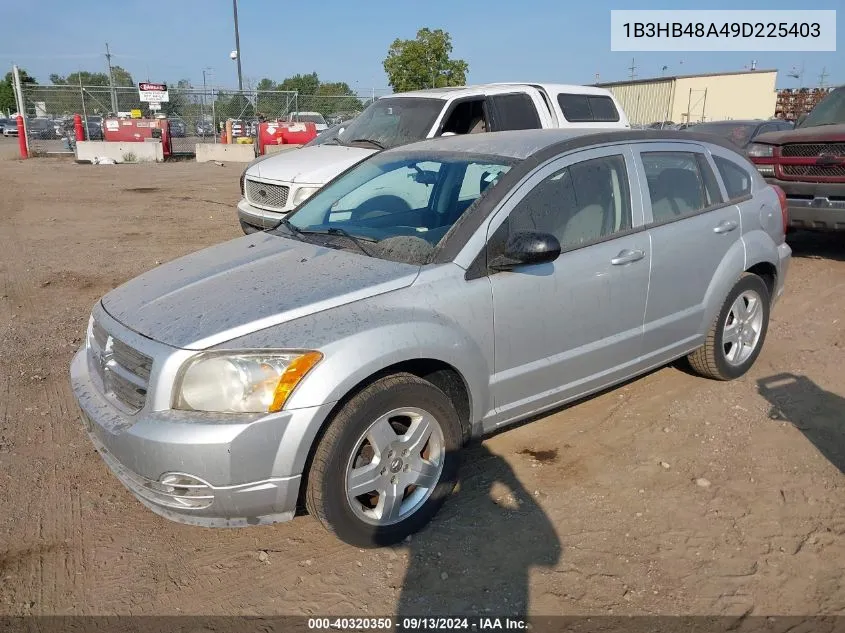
[(430, 294)]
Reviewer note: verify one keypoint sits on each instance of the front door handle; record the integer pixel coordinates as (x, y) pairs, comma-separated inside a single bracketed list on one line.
[(726, 227), (627, 257)]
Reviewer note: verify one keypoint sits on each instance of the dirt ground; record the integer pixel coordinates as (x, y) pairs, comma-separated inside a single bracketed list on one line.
[(669, 495)]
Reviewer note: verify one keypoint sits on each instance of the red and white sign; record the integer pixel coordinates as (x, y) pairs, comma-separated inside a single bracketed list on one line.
[(153, 93)]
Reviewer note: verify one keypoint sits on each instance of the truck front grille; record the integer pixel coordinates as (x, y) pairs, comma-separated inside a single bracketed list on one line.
[(810, 150), (123, 372), (265, 195), (814, 171)]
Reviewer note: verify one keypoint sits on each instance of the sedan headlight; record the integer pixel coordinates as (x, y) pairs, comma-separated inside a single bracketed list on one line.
[(760, 150), (303, 193), (245, 382)]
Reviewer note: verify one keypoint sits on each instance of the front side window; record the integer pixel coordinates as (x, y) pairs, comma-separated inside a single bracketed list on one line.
[(580, 204), (679, 184), (397, 206)]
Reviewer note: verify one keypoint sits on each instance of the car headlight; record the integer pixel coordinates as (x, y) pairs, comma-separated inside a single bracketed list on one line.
[(241, 382), (303, 193), (760, 150)]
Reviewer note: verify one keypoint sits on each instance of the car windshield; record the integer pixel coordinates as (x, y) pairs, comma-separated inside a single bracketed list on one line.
[(737, 133), (396, 206), (829, 111), (393, 121), (325, 136)]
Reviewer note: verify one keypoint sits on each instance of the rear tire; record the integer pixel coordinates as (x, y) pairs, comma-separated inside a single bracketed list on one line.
[(402, 479), (737, 335)]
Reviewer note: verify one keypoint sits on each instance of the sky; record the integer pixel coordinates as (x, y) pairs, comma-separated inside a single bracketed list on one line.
[(561, 41)]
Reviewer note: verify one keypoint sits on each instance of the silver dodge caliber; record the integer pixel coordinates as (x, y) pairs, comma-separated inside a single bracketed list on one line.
[(427, 295)]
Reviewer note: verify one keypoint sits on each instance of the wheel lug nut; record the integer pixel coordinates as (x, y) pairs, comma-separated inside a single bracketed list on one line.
[(383, 471), (389, 454), (393, 480), (405, 452), (407, 468)]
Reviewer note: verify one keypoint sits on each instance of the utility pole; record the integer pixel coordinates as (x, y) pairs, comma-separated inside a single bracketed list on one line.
[(204, 70), (238, 46), (111, 82), (633, 69), (823, 77)]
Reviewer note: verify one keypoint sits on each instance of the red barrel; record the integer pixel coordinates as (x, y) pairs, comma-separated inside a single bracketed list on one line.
[(284, 133), (78, 130)]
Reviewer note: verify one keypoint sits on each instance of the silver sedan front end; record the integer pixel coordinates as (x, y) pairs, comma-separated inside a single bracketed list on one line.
[(201, 468)]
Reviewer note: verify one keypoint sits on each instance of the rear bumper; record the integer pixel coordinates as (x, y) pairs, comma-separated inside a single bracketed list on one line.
[(814, 205)]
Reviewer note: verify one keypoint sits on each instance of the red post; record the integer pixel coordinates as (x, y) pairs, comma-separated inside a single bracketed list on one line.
[(77, 127), (22, 138)]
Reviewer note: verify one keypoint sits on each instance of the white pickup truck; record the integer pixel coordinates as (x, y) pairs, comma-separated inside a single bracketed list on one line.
[(272, 186)]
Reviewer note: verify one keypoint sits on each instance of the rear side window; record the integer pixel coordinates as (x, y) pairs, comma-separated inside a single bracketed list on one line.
[(513, 112), (737, 180), (585, 108), (679, 184)]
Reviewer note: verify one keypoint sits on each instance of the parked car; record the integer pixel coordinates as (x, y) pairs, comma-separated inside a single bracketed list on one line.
[(327, 135), (177, 127), (9, 127), (205, 128), (93, 128), (430, 294), (808, 163), (310, 117), (41, 128), (288, 178), (741, 132)]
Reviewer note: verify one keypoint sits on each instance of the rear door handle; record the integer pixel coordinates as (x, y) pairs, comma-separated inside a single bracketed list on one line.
[(627, 257), (726, 227)]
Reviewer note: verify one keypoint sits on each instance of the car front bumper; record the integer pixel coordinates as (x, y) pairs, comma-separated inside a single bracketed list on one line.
[(243, 471), (814, 205), (259, 218)]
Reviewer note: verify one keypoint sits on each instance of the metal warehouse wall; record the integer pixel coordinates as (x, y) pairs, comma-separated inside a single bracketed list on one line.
[(742, 96), (646, 102)]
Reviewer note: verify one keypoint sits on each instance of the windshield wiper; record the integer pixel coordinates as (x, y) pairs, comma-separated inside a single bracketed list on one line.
[(294, 230), (367, 140), (338, 231)]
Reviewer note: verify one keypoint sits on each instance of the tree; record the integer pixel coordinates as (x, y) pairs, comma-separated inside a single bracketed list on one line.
[(424, 62), (303, 84), (7, 91), (120, 77)]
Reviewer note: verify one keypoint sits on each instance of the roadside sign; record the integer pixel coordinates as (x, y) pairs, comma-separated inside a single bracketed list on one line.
[(135, 114), (153, 93), (155, 106)]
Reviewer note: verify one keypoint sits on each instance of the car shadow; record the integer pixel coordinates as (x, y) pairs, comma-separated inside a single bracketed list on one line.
[(813, 244), (818, 414), (476, 557)]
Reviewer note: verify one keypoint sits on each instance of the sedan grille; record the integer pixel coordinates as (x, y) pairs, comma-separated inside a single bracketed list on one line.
[(816, 171), (809, 150), (123, 372), (265, 195)]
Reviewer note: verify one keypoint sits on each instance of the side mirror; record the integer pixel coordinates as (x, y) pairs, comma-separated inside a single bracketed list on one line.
[(525, 248)]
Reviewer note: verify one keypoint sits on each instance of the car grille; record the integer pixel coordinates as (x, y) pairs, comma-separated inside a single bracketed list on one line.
[(817, 171), (809, 150), (124, 372), (265, 195)]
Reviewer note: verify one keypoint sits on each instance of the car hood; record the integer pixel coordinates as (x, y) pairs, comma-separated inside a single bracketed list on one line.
[(314, 165), (245, 285), (818, 134)]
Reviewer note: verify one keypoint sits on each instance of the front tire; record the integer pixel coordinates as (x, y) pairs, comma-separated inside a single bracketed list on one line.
[(736, 337), (386, 463)]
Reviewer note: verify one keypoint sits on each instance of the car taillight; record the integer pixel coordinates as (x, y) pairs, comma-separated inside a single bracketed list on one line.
[(784, 209)]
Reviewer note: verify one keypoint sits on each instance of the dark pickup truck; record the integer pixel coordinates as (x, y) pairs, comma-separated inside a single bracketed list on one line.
[(808, 163)]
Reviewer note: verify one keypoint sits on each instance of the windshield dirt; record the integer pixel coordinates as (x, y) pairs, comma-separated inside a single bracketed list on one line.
[(395, 207), (829, 111), (389, 122)]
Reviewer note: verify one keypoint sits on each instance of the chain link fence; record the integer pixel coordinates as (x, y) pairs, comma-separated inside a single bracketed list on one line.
[(195, 115)]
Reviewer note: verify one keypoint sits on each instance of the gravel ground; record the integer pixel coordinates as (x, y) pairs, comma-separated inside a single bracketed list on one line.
[(668, 495)]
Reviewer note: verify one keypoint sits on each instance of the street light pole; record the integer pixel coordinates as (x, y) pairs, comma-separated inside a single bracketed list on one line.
[(238, 46)]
